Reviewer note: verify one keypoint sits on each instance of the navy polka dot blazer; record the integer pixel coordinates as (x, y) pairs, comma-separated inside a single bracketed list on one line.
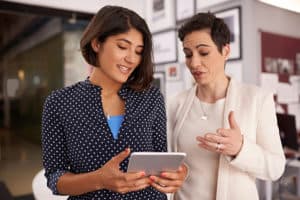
[(76, 137)]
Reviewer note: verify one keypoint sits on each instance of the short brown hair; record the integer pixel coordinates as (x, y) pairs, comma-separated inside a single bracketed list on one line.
[(114, 20), (219, 31)]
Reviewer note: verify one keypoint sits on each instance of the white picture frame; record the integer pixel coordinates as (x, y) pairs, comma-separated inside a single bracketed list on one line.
[(173, 72), (180, 53), (203, 4), (160, 14), (232, 17), (184, 9), (165, 47)]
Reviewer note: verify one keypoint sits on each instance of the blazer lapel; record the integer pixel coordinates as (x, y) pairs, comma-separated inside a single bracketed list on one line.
[(223, 172), (181, 115)]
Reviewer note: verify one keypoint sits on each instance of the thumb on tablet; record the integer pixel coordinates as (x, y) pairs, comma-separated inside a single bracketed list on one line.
[(121, 156)]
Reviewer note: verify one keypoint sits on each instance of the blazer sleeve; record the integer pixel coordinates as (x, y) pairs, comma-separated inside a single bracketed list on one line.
[(263, 158), (53, 143)]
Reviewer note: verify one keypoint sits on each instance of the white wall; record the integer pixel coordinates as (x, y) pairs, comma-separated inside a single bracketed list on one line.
[(89, 6), (280, 21), (258, 17), (272, 19)]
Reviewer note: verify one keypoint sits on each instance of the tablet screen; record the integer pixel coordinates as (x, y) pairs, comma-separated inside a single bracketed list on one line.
[(153, 163)]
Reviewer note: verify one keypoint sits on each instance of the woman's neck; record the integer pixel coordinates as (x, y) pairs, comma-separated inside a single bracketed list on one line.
[(109, 87), (212, 92)]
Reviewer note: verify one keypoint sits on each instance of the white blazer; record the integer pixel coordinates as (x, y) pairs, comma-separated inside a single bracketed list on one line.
[(261, 155)]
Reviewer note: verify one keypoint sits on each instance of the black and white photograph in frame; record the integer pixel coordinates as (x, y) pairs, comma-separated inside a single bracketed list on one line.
[(160, 14), (159, 82), (165, 47), (232, 17), (185, 9), (270, 65), (285, 66)]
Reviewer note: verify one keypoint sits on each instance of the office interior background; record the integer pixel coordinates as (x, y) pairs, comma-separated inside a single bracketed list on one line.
[(39, 52)]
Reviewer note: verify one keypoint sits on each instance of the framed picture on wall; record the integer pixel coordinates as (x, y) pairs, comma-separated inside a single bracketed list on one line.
[(184, 9), (232, 17), (165, 47), (173, 72), (202, 4), (159, 81), (160, 14)]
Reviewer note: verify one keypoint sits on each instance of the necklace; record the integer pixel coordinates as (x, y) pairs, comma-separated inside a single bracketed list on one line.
[(204, 114)]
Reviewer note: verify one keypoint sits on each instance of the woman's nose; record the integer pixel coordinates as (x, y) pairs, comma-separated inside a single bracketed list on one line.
[(131, 58), (195, 61)]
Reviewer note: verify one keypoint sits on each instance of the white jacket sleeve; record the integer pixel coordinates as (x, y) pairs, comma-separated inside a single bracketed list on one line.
[(263, 158)]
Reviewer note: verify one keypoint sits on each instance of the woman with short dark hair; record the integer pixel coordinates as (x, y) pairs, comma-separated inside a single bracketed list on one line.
[(90, 128), (228, 129)]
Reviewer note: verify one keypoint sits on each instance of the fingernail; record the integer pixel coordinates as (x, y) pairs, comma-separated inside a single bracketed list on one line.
[(163, 174), (143, 173), (152, 178)]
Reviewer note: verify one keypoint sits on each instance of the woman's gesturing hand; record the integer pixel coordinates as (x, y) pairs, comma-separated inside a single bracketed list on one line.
[(169, 182), (226, 141), (113, 179)]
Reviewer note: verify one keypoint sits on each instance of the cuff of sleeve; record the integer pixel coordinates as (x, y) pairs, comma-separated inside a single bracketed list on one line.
[(242, 159), (53, 179), (188, 172)]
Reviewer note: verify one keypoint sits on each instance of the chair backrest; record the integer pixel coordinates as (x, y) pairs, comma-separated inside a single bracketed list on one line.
[(4, 192), (40, 189), (288, 131)]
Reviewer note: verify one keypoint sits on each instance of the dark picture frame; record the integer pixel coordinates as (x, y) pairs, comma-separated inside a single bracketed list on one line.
[(159, 81), (232, 17)]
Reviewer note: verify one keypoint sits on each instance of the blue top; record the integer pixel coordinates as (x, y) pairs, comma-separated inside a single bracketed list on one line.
[(76, 137), (114, 123)]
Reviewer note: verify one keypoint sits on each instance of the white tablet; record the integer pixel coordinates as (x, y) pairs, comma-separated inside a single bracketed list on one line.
[(153, 163)]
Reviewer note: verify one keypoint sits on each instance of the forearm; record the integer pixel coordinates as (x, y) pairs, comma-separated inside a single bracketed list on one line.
[(78, 184), (267, 164)]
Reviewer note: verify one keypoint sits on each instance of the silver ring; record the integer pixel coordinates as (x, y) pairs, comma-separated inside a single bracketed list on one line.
[(218, 146), (161, 185)]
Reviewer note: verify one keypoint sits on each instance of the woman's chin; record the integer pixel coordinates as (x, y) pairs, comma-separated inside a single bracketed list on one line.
[(201, 82)]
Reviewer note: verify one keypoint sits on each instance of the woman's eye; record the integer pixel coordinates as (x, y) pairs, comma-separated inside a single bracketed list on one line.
[(203, 53), (121, 47), (188, 55), (139, 52)]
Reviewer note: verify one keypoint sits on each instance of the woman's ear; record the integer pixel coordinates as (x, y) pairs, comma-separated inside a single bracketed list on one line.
[(95, 45), (226, 51)]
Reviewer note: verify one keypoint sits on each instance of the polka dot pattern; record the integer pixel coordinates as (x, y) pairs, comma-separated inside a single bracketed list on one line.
[(76, 137)]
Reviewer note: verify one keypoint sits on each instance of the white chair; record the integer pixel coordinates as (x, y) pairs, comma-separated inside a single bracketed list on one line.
[(40, 189)]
